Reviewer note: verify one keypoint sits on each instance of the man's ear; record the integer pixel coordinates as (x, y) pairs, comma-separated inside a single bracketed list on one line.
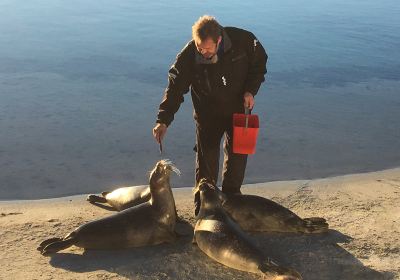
[(219, 39)]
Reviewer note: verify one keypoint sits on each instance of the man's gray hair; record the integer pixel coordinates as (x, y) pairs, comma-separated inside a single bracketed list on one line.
[(206, 27)]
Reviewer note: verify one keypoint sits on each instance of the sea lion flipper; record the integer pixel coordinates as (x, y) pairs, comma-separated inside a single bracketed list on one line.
[(168, 235), (92, 198), (146, 195), (98, 201), (57, 246), (47, 242)]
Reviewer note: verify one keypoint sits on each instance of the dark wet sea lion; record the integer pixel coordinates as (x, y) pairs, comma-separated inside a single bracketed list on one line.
[(123, 197), (256, 213), (149, 223), (219, 237)]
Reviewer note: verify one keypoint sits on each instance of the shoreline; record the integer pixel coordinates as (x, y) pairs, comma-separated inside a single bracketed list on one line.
[(362, 211), (248, 185)]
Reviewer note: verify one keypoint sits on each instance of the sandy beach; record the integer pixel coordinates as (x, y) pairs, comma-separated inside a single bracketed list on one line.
[(363, 243)]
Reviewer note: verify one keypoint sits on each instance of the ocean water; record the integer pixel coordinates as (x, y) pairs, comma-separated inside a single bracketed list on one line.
[(81, 81)]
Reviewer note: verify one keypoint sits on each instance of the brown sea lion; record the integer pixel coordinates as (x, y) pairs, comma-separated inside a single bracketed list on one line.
[(255, 213), (149, 223), (219, 237)]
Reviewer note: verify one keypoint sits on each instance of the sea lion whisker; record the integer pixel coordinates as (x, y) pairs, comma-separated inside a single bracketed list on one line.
[(176, 170), (171, 166), (166, 161)]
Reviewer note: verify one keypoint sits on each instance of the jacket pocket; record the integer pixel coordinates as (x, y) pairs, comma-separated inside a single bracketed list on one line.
[(239, 70), (238, 57)]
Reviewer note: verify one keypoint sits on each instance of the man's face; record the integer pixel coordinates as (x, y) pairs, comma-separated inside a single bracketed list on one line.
[(208, 48)]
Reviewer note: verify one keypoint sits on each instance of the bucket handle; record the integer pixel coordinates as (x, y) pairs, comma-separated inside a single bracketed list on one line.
[(247, 112)]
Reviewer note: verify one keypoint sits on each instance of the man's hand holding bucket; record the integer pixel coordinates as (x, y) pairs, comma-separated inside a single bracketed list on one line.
[(248, 100)]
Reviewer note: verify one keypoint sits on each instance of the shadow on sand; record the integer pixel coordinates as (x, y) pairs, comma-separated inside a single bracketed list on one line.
[(318, 256), (314, 256)]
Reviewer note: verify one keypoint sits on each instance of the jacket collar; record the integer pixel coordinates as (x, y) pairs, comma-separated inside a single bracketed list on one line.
[(227, 41), (227, 45)]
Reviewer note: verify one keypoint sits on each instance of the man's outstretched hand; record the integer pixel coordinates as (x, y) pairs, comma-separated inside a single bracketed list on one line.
[(159, 131), (248, 100)]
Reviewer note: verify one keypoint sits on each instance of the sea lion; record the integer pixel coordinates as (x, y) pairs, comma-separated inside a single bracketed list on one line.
[(219, 237), (149, 223), (123, 197), (258, 214)]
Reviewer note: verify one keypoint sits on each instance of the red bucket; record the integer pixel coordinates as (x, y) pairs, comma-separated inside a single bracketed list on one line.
[(245, 138)]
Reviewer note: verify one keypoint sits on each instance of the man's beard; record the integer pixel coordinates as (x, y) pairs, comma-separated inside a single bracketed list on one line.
[(213, 58)]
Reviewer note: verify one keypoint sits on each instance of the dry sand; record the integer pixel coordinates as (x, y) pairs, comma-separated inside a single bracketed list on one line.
[(363, 211)]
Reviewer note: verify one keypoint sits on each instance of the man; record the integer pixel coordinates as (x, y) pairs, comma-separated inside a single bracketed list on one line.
[(224, 67)]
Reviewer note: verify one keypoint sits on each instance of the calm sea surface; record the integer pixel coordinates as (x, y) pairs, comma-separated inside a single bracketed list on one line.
[(81, 81)]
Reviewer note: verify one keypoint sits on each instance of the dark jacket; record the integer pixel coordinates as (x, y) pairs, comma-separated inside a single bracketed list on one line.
[(217, 88)]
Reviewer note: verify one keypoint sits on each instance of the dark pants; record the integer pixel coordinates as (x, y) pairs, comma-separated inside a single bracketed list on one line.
[(208, 140)]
